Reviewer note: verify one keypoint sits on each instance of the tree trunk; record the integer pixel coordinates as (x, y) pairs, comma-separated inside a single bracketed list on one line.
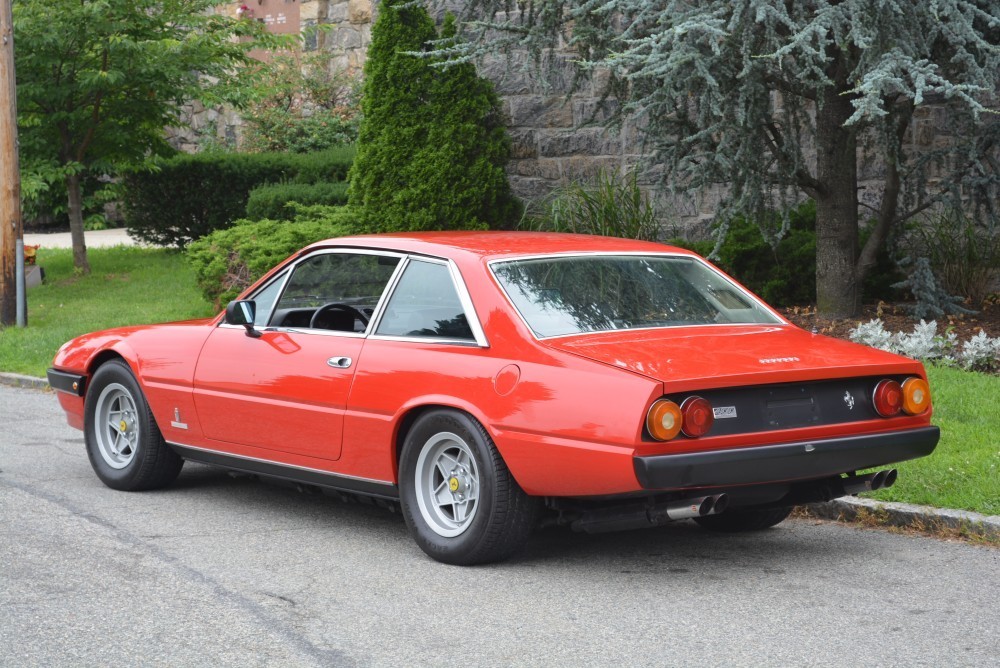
[(838, 292), (76, 223)]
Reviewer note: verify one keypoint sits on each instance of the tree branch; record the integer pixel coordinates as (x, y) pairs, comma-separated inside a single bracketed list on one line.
[(887, 216), (776, 143), (95, 115)]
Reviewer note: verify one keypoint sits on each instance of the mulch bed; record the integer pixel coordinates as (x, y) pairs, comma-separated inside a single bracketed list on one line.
[(896, 319)]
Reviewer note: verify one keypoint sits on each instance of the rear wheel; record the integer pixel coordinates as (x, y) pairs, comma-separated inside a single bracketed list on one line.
[(736, 520), (459, 500), (124, 444)]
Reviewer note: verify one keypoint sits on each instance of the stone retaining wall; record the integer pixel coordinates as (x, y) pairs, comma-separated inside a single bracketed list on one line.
[(554, 137)]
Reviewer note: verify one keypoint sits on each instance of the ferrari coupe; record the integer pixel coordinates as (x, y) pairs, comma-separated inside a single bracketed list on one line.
[(489, 382)]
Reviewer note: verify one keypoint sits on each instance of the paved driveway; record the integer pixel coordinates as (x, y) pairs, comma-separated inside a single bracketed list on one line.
[(220, 571)]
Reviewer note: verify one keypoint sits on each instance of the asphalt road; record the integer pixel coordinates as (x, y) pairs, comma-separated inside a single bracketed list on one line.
[(220, 571)]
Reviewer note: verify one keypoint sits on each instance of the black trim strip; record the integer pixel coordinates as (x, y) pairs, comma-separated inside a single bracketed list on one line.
[(71, 383), (802, 460), (382, 490)]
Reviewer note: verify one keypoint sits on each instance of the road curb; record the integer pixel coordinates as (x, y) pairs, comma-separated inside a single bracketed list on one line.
[(908, 515), (19, 380)]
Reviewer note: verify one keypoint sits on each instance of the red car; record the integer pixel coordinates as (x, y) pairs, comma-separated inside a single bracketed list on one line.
[(489, 381)]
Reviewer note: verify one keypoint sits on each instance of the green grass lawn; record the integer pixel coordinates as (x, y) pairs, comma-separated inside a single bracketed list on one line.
[(136, 285), (964, 470), (126, 286)]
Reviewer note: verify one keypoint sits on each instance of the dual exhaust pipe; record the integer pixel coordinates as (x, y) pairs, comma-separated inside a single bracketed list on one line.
[(869, 482), (642, 516), (684, 509)]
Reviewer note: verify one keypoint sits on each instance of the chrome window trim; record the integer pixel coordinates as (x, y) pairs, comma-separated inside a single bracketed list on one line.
[(281, 290), (464, 299), (293, 265), (781, 322)]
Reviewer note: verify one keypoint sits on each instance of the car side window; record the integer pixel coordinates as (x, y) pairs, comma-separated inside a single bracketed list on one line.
[(425, 303), (264, 299), (334, 291)]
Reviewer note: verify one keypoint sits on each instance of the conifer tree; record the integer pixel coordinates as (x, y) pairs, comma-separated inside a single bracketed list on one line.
[(432, 146), (773, 100)]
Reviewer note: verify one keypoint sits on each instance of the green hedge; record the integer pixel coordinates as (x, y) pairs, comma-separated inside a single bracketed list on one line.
[(189, 196), (271, 201), (786, 275), (227, 261)]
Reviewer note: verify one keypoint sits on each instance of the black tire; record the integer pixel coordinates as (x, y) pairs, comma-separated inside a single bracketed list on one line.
[(502, 517), (134, 457), (734, 521)]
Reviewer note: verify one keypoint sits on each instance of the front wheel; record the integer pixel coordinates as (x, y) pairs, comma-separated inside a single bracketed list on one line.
[(460, 502), (737, 520), (124, 444)]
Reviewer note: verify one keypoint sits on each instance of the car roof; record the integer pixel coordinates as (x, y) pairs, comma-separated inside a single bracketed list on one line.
[(493, 245)]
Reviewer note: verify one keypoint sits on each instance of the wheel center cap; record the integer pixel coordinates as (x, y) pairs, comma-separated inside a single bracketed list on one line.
[(123, 425), (453, 484)]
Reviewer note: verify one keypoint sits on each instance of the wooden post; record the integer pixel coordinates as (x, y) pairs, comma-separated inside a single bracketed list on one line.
[(10, 176)]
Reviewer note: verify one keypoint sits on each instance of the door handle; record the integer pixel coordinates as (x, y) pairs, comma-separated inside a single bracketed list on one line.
[(339, 362)]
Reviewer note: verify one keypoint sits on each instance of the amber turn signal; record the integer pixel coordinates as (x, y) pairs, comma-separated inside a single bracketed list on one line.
[(664, 420), (916, 396), (697, 417), (888, 398)]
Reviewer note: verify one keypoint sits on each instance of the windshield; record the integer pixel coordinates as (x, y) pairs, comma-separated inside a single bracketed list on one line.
[(574, 295)]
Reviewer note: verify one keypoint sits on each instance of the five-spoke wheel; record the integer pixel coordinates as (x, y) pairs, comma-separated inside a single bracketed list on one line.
[(116, 426), (124, 444), (447, 484), (459, 500)]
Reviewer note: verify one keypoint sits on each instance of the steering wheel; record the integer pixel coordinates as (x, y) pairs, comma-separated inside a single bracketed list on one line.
[(316, 322)]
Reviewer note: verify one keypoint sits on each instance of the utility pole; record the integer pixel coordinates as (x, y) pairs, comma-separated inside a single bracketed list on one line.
[(12, 305)]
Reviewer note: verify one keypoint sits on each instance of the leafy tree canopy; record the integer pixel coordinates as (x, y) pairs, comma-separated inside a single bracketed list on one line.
[(98, 81), (772, 99)]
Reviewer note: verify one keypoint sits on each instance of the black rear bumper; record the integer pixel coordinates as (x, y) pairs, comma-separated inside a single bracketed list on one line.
[(802, 460)]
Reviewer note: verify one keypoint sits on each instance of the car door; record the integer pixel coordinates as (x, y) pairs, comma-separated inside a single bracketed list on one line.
[(286, 390)]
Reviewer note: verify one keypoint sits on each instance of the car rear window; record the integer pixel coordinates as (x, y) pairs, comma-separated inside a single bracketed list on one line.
[(558, 296)]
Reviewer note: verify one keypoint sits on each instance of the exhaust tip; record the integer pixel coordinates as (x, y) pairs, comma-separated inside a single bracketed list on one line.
[(878, 480), (719, 503), (706, 505), (890, 478)]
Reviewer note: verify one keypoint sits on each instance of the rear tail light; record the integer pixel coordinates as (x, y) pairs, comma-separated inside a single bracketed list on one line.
[(697, 417), (916, 396), (888, 398), (664, 420)]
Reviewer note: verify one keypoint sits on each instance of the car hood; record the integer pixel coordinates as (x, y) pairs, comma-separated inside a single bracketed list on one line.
[(693, 358)]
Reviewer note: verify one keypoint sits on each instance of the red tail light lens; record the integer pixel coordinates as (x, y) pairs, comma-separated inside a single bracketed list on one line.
[(663, 420), (697, 417), (916, 396), (888, 398)]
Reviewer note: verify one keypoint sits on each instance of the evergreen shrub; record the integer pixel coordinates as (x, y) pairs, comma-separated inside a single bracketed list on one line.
[(612, 206), (963, 254), (189, 196), (272, 200), (785, 275), (228, 261), (432, 145)]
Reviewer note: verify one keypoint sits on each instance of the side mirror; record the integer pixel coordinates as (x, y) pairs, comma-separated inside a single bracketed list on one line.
[(242, 312)]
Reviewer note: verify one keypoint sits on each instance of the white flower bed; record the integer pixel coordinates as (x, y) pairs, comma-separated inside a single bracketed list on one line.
[(980, 353)]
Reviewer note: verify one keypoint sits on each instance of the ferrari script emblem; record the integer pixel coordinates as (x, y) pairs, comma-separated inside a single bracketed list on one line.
[(849, 400)]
